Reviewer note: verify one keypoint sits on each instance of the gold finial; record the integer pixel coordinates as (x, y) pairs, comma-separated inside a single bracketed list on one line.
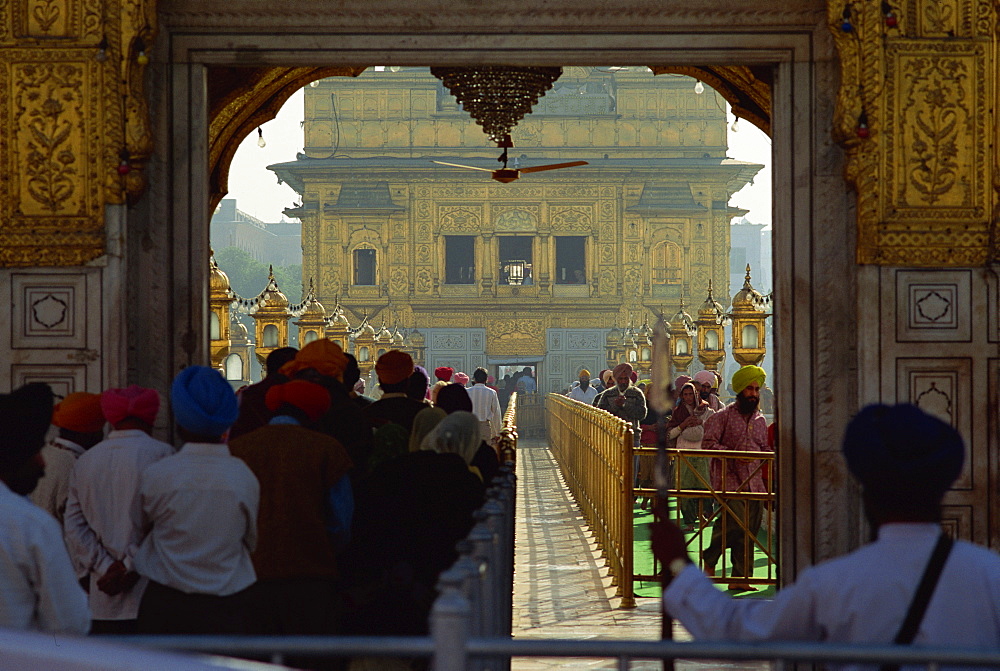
[(747, 279), (709, 299)]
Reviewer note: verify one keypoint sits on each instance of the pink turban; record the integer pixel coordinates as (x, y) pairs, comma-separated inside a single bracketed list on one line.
[(705, 377), (133, 401), (461, 378), (622, 369), (680, 382)]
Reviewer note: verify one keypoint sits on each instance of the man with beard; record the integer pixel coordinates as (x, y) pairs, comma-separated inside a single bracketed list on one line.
[(584, 393), (628, 403), (38, 587), (739, 427), (704, 380)]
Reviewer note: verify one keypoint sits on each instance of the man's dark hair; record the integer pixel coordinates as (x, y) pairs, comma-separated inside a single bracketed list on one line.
[(453, 398), (278, 358), (351, 373), (395, 387), (416, 385), (480, 375)]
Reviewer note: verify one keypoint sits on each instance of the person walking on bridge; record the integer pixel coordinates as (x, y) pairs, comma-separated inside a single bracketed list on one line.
[(584, 393), (742, 428), (625, 402)]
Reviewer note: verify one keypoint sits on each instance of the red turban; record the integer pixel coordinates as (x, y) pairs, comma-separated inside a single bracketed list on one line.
[(80, 412), (133, 401), (444, 373), (393, 367), (622, 369), (308, 397), (324, 356)]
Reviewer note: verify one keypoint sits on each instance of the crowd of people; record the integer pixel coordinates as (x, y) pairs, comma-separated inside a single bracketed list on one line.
[(698, 420), (296, 507)]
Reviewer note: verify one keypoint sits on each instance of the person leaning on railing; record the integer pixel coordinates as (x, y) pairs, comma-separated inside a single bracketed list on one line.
[(905, 461)]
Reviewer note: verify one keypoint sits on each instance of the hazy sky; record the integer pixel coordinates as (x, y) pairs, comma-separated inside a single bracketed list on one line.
[(258, 193)]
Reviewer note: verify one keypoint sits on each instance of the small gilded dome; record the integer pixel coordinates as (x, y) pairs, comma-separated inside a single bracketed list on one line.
[(711, 307), (218, 281), (238, 332), (747, 298), (314, 310), (274, 299)]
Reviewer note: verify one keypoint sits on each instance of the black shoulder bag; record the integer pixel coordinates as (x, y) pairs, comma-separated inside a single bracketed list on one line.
[(911, 623)]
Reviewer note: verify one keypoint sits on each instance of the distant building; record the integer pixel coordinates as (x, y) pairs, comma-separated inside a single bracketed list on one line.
[(749, 243), (279, 244)]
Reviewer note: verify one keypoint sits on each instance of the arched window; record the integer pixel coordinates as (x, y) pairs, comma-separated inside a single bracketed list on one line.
[(270, 336), (213, 326), (646, 354), (681, 347), (364, 266), (309, 337), (234, 367), (364, 354), (749, 336), (666, 263), (711, 340)]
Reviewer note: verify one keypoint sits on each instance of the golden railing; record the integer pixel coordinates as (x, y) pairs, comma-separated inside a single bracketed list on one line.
[(507, 445), (594, 452), (690, 485), (531, 415)]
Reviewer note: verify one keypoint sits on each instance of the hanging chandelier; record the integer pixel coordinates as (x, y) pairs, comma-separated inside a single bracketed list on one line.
[(497, 96)]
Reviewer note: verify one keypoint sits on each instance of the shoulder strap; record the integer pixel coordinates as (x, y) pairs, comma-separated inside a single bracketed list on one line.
[(915, 614)]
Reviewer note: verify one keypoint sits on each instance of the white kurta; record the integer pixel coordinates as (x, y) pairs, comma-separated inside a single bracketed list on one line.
[(38, 587), (200, 509), (586, 396), (486, 408), (103, 500), (861, 597), (50, 494)]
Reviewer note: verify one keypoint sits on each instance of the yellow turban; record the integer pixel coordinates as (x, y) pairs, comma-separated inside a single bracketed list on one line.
[(744, 376), (324, 356), (584, 373)]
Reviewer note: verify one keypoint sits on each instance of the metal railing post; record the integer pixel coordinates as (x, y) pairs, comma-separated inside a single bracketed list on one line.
[(450, 629)]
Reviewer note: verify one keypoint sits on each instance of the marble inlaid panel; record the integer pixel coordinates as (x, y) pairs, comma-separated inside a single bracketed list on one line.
[(933, 306), (49, 311)]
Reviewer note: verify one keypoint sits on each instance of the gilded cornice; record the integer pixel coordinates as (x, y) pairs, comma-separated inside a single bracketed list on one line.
[(915, 114), (428, 16), (74, 124), (747, 89), (240, 100)]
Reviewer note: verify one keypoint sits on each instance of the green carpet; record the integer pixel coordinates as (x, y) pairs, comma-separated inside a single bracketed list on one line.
[(643, 558)]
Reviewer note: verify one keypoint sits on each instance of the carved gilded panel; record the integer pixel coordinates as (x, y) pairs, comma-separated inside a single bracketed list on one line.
[(50, 128), (915, 114)]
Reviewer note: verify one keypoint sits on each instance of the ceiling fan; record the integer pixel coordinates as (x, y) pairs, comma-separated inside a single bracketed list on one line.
[(507, 175)]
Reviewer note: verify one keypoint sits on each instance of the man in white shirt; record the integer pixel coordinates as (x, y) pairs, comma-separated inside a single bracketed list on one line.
[(485, 406), (38, 587), (905, 461), (103, 504), (81, 426), (199, 515), (583, 393)]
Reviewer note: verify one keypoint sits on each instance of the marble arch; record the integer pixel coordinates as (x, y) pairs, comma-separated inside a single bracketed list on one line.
[(816, 523)]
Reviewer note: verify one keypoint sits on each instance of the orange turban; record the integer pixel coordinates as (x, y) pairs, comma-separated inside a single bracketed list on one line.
[(324, 356), (308, 397), (133, 401), (393, 367), (80, 412)]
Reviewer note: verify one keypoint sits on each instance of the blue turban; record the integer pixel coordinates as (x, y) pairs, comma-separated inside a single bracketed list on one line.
[(902, 450), (203, 402)]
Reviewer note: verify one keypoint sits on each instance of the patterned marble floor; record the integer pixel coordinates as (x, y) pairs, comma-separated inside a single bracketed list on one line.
[(561, 585)]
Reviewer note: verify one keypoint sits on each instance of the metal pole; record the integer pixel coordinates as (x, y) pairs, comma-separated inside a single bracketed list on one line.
[(450, 630)]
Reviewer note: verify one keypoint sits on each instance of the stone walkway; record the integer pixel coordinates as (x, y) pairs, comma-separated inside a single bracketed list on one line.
[(561, 584)]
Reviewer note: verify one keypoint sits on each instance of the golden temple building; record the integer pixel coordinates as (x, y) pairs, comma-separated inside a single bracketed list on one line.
[(536, 271)]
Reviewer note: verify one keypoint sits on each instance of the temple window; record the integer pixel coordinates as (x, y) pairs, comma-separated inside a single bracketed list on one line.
[(459, 259), (571, 257)]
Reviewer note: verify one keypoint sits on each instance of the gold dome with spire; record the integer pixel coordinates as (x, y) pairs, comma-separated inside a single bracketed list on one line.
[(274, 298), (747, 298)]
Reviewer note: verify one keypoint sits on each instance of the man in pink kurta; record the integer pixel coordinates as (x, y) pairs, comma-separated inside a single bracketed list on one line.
[(739, 427)]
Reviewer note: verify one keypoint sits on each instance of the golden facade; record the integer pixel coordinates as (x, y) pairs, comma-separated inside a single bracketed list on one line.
[(649, 213)]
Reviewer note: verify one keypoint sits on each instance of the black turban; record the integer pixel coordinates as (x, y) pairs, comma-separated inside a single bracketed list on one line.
[(901, 451), (25, 415)]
